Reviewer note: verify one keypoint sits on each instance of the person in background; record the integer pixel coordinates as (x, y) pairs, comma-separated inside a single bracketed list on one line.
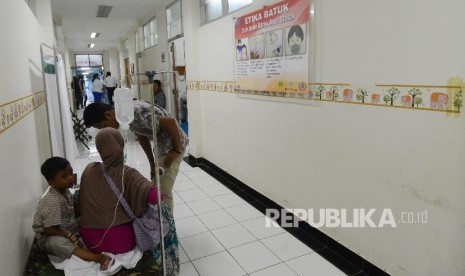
[(83, 90), (97, 88), (54, 222), (86, 90), (110, 86), (171, 139), (76, 84), (158, 94)]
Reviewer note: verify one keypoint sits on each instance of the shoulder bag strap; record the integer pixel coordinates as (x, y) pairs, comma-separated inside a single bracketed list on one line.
[(117, 193)]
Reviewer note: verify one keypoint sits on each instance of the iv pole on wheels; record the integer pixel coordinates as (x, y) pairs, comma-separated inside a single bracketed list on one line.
[(150, 75)]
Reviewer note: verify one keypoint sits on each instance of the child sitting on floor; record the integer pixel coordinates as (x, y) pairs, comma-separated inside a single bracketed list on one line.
[(54, 223)]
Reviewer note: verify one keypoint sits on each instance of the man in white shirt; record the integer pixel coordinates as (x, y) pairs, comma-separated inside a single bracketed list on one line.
[(110, 85)]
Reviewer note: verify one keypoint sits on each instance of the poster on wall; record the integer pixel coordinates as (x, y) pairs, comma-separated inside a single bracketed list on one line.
[(271, 48)]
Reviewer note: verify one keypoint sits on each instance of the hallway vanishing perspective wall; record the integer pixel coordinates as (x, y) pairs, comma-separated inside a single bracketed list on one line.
[(443, 98), (379, 127)]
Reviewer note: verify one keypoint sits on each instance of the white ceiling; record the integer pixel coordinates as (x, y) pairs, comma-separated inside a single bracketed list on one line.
[(79, 19)]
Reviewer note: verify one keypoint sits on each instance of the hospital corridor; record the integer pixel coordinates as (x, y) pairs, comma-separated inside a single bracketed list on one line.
[(222, 234), (232, 138)]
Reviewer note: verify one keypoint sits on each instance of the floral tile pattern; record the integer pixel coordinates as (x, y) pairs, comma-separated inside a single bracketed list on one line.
[(443, 98), (12, 112)]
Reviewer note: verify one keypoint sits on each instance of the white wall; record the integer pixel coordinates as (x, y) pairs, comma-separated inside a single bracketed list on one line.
[(25, 145), (326, 155), (113, 57), (151, 59), (191, 24)]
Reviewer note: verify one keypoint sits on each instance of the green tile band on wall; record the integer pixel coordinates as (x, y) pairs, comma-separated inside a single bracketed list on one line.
[(442, 98), (14, 111)]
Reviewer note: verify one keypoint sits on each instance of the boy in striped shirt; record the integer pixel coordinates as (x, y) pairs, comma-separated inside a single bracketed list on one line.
[(54, 223)]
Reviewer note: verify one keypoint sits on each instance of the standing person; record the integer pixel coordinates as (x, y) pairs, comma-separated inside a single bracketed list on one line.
[(54, 223), (171, 139), (110, 85), (84, 92), (82, 85), (158, 94), (97, 88), (77, 87)]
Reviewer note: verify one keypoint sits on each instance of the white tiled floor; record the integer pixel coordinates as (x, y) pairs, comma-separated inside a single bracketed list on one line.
[(221, 234)]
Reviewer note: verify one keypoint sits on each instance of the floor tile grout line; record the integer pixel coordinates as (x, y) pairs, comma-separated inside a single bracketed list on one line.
[(217, 239), (188, 258), (208, 171), (283, 262)]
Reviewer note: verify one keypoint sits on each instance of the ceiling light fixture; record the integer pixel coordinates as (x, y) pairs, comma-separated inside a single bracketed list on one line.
[(91, 45), (104, 11), (94, 35)]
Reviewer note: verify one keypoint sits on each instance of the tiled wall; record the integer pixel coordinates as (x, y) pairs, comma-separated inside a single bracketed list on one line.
[(13, 112), (445, 98)]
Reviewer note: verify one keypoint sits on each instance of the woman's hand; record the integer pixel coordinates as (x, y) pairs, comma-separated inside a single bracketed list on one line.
[(172, 155)]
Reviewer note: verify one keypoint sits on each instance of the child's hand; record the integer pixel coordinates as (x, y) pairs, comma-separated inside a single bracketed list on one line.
[(74, 239), (79, 243)]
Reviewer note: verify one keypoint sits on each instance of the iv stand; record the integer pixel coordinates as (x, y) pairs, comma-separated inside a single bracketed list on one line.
[(150, 75)]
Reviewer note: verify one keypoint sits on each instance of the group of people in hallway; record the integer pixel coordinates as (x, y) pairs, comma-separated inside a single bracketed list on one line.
[(99, 87), (104, 225), (109, 85)]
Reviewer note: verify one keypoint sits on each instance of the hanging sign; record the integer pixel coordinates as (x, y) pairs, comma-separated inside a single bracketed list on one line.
[(271, 48)]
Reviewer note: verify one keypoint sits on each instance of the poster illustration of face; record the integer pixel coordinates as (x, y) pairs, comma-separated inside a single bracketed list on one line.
[(242, 52), (295, 44)]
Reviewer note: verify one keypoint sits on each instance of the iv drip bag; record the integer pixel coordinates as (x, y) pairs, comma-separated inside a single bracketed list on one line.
[(124, 107)]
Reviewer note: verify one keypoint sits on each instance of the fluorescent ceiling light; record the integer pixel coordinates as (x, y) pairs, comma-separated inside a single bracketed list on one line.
[(104, 11), (94, 35), (91, 45)]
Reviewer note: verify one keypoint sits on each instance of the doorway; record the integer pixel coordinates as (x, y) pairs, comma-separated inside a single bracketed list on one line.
[(127, 73), (88, 73)]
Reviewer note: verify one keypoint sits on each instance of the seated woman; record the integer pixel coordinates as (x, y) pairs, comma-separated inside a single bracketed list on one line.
[(105, 225)]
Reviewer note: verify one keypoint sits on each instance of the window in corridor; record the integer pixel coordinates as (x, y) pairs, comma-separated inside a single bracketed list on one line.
[(214, 9), (150, 33), (174, 20)]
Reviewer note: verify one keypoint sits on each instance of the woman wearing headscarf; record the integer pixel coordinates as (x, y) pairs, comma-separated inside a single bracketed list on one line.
[(105, 226)]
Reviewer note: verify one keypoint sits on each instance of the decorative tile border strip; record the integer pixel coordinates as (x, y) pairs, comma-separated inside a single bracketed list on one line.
[(446, 98), (216, 86), (14, 111)]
